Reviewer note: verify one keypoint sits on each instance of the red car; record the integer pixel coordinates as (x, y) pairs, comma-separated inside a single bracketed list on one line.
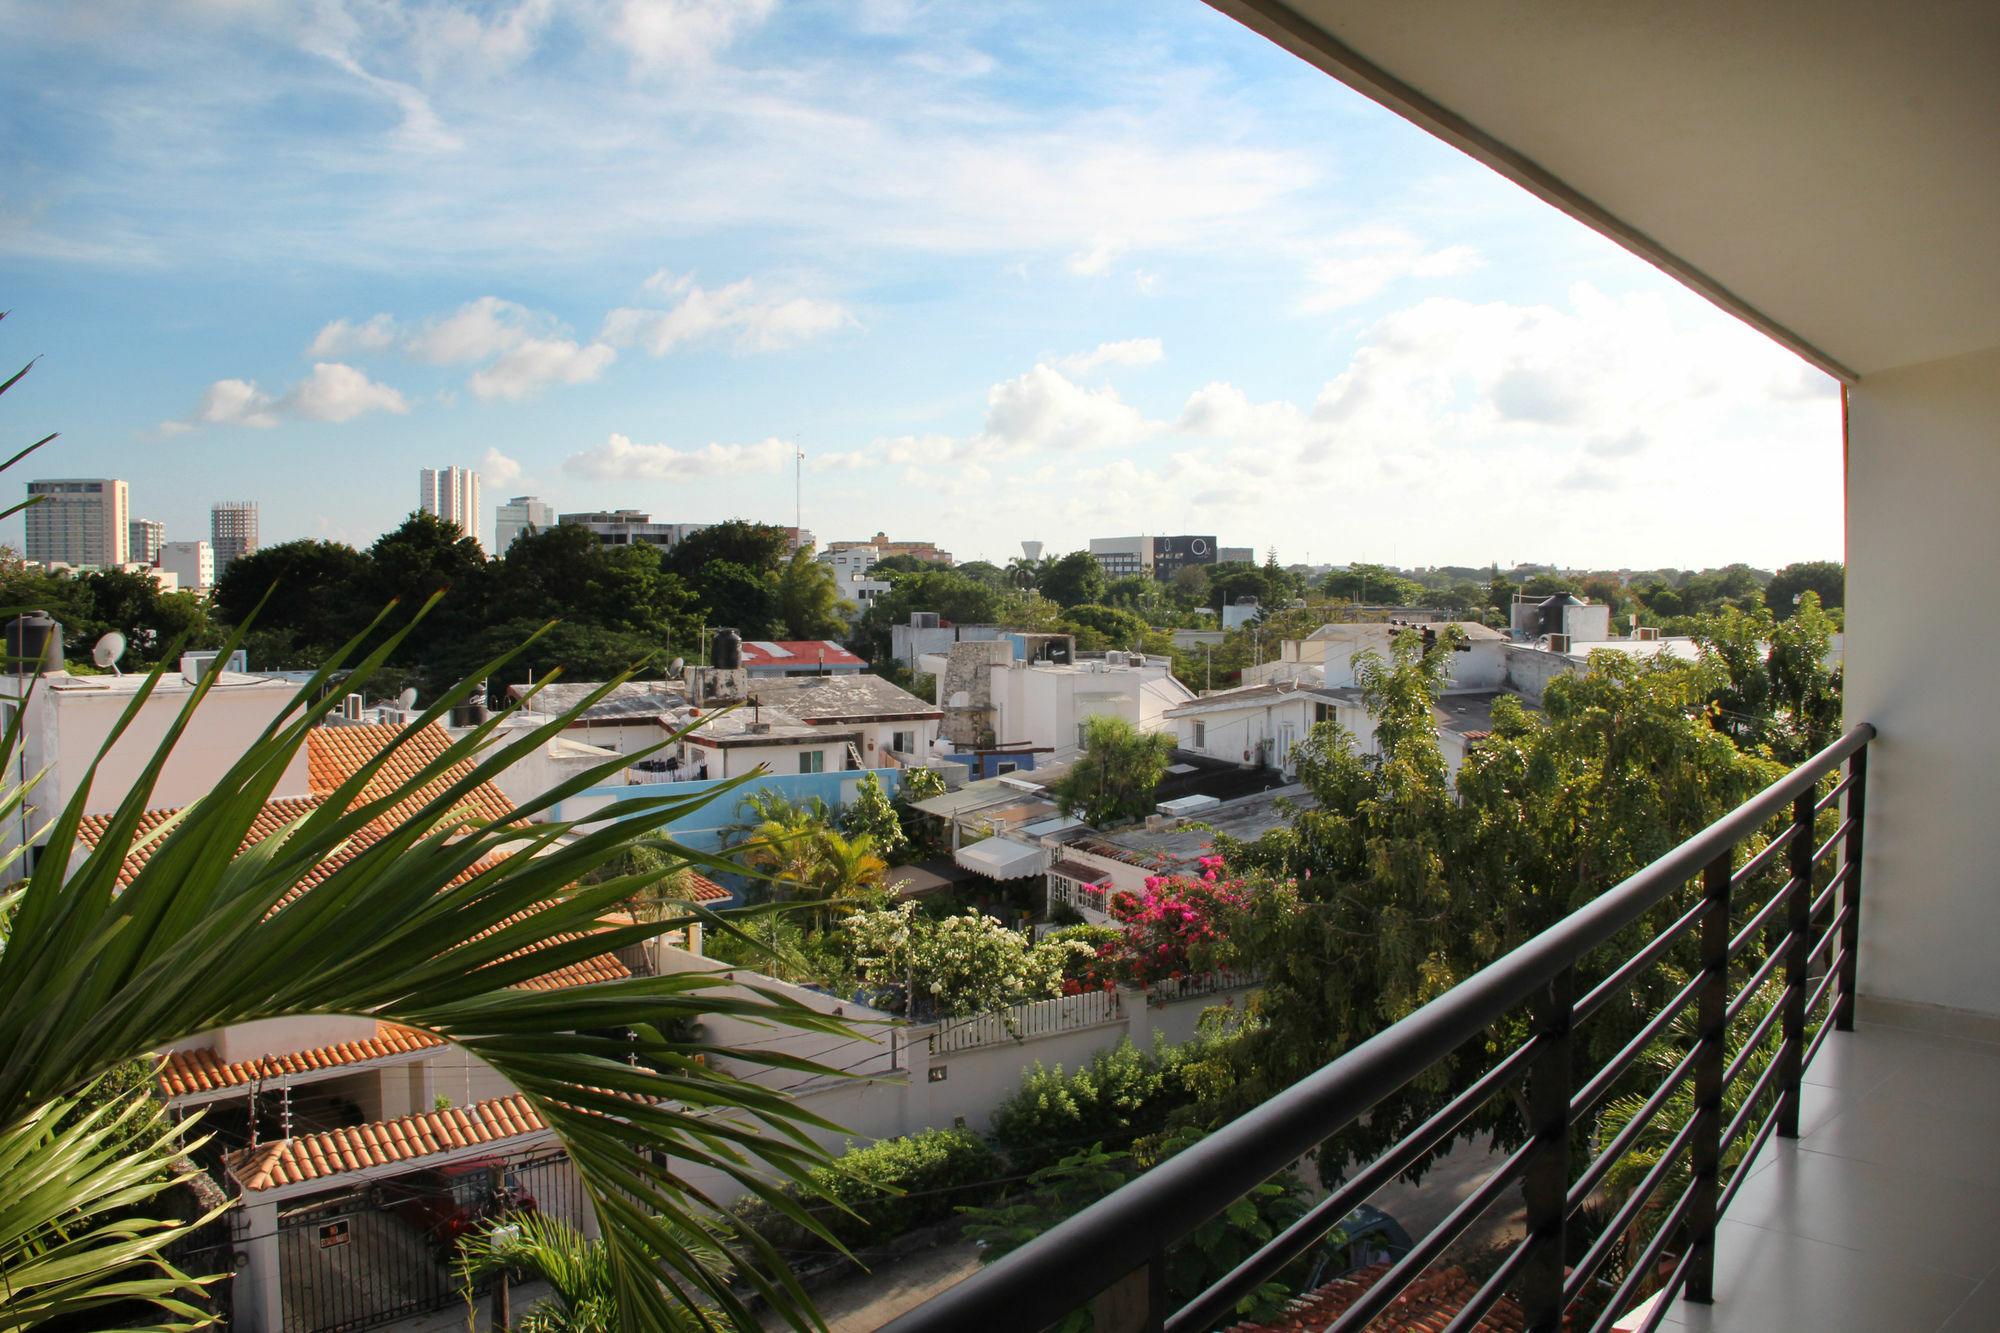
[(446, 1203)]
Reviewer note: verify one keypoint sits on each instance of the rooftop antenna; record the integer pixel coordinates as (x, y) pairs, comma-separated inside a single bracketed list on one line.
[(799, 499), (109, 650)]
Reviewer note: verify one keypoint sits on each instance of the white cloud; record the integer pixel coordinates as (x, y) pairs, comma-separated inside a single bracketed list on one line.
[(1130, 352), (498, 470), (666, 35), (759, 325), (1358, 265), (340, 338), (618, 459), (475, 331), (332, 392), (536, 362), (1042, 410)]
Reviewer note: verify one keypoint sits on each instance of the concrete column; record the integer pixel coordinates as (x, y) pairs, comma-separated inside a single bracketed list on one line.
[(259, 1305), (1138, 1016)]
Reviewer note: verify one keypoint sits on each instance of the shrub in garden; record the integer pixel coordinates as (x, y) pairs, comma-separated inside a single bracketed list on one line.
[(1119, 1096), (889, 1187)]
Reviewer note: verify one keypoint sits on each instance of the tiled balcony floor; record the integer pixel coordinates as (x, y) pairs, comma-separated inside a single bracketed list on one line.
[(1884, 1215)]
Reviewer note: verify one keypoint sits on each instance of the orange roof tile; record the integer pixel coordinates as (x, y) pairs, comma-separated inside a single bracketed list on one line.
[(704, 890), (274, 816), (335, 754), (186, 1072), (1426, 1306), (384, 1143)]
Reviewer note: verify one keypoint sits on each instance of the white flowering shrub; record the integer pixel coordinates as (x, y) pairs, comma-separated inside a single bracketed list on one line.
[(956, 966)]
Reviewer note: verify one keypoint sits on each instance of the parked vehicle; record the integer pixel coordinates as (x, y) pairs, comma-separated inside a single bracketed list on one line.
[(446, 1203)]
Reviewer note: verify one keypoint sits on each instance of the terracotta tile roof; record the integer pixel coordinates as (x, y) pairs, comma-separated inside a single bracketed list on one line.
[(1426, 1306), (384, 1143), (704, 890), (335, 754), (202, 1070), (274, 816)]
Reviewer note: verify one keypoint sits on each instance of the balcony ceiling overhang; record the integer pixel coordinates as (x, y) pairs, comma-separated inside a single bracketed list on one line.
[(1828, 170)]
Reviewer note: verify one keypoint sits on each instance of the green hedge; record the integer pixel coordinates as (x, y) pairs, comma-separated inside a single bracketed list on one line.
[(893, 1186), (1119, 1096)]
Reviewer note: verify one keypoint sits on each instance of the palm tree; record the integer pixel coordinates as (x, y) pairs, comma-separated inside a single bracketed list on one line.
[(848, 870), (583, 1293), (427, 920)]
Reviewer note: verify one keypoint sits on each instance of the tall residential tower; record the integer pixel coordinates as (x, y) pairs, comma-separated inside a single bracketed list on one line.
[(452, 493), (233, 530), (78, 521)]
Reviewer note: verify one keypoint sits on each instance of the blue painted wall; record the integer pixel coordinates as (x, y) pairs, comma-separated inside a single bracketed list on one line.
[(988, 765), (702, 829)]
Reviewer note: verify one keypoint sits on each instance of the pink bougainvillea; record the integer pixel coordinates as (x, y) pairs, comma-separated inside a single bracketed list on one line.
[(1174, 925)]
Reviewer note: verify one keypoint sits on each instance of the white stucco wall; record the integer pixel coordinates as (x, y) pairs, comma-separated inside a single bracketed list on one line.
[(1923, 478)]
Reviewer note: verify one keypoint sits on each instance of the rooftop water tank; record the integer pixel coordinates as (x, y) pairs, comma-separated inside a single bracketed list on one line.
[(727, 650), (1552, 612), (34, 644)]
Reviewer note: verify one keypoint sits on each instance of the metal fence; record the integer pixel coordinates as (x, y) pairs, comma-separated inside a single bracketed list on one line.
[(1022, 1021), (1171, 989), (369, 1256)]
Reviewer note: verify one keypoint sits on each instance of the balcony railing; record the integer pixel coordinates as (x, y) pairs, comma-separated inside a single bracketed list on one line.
[(1113, 1255)]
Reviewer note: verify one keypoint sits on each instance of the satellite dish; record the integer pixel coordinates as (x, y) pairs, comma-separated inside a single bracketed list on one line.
[(407, 700), (109, 651), (677, 668)]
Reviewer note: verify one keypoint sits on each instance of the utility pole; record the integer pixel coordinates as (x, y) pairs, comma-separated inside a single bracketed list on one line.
[(496, 1184)]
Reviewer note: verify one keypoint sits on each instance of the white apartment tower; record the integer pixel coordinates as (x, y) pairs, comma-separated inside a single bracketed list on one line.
[(452, 493), (233, 530), (193, 563), (145, 536), (516, 517), (78, 521)]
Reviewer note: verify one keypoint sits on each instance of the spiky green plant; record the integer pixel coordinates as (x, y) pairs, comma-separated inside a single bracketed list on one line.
[(424, 926)]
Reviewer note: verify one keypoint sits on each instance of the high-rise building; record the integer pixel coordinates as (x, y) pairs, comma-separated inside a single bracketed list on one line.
[(233, 530), (193, 563), (78, 521), (1123, 557), (632, 527), (452, 493), (516, 517), (1173, 554), (144, 537)]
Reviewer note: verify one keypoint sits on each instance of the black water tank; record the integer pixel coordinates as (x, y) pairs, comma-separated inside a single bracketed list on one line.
[(34, 644), (727, 650), (1552, 612)]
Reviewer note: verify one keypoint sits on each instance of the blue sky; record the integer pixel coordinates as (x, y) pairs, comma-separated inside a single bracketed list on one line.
[(1003, 271)]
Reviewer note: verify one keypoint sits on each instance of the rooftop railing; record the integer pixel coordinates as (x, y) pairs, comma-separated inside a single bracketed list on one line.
[(1112, 1256)]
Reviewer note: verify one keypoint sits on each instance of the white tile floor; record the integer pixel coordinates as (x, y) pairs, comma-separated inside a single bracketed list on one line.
[(1884, 1216)]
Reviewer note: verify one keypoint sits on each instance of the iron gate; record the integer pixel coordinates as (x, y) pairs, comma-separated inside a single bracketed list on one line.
[(384, 1252)]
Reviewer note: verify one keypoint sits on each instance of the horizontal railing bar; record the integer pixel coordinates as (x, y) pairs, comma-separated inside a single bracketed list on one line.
[(1826, 982), (1669, 1290), (1648, 1259), (1831, 935), (1826, 1026), (1754, 984), (1489, 1295), (1615, 1067), (1760, 860), (1637, 963), (1281, 1249), (1072, 1261), (1742, 1171), (1759, 921), (1751, 1043), (1839, 789), (1412, 1265), (1641, 1195), (1742, 1116), (1840, 878), (1819, 853), (1605, 1160)]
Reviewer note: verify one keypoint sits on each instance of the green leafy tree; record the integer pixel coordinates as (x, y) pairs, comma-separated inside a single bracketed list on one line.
[(1098, 628), (808, 599), (1376, 585), (1073, 580), (1780, 694), (872, 815), (983, 571), (954, 966), (758, 547), (1825, 579), (316, 597), (1116, 777)]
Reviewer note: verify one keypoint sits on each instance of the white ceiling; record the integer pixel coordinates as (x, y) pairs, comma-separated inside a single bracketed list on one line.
[(1829, 170)]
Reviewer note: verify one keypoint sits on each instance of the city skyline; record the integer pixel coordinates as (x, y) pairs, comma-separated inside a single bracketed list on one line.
[(1023, 286)]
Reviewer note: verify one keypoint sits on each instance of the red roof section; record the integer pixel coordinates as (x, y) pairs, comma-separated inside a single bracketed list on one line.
[(335, 754), (384, 1143), (798, 654), (202, 1070), (1427, 1305)]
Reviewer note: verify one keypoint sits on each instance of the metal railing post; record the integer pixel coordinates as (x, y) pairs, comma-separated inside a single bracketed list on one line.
[(1850, 889), (1711, 1059), (1798, 950), (1545, 1186)]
